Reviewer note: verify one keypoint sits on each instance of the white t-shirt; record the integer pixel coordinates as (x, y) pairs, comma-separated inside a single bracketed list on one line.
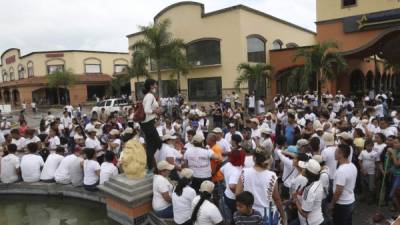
[(368, 160), (95, 144), (182, 205), (208, 213), (9, 165), (50, 166), (225, 146), (258, 183), (199, 161), (165, 152), (289, 171), (228, 136), (345, 176), (311, 201), (34, 139), (20, 143), (328, 155), (231, 176), (248, 161), (252, 101), (62, 174), (30, 167), (160, 185), (378, 148), (76, 171), (54, 142), (107, 170), (89, 172)]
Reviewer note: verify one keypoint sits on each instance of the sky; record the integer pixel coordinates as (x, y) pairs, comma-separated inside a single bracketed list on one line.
[(43, 25)]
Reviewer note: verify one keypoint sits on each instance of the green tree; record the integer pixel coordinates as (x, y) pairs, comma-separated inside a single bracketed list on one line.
[(158, 45), (179, 64), (138, 66), (322, 60), (119, 81), (253, 72), (297, 81), (61, 79)]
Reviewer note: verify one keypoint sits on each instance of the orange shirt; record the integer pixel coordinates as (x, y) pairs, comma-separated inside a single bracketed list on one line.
[(215, 164)]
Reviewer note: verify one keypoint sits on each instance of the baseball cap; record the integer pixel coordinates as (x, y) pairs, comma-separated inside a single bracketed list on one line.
[(328, 138), (345, 136), (265, 131), (198, 138), (168, 137), (207, 186), (312, 166), (318, 158), (255, 120), (186, 173), (292, 149), (301, 143), (217, 130), (114, 132), (164, 165)]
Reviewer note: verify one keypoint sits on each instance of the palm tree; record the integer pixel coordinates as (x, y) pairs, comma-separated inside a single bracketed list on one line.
[(61, 79), (158, 45), (322, 60), (119, 81), (179, 64), (138, 66), (253, 72), (297, 81)]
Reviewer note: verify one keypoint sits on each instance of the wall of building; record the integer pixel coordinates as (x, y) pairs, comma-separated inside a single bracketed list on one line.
[(333, 9), (232, 26)]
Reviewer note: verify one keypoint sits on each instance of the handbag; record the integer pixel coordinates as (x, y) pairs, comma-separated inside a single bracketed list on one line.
[(139, 115)]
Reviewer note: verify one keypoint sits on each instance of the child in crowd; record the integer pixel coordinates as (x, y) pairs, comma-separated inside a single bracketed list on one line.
[(245, 214), (91, 170), (108, 169)]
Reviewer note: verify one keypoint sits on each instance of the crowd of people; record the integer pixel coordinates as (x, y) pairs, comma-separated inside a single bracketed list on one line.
[(234, 162)]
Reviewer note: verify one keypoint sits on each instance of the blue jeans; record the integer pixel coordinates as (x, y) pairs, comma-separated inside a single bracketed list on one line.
[(166, 213), (396, 184), (343, 214)]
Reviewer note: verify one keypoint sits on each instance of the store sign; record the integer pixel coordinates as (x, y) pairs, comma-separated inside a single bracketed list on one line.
[(372, 21), (54, 55), (10, 59)]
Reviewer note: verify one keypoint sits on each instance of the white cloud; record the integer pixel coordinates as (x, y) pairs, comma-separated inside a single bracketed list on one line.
[(103, 24)]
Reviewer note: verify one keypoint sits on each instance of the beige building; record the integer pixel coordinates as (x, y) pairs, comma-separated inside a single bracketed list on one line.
[(23, 77), (217, 42)]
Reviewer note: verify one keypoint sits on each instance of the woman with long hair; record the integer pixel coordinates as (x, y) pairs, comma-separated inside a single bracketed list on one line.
[(151, 109), (182, 198), (309, 199), (204, 211), (263, 184)]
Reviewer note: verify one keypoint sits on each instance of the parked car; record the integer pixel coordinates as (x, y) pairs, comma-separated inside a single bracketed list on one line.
[(112, 105)]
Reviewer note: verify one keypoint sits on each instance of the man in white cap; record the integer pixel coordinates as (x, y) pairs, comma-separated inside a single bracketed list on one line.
[(232, 131), (162, 191), (265, 140), (255, 132), (93, 142), (168, 152), (223, 143), (114, 142), (198, 159), (328, 155)]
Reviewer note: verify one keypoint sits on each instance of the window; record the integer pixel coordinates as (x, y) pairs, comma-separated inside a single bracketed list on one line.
[(163, 65), (5, 76), (205, 89), (277, 44), (292, 45), (30, 69), (255, 50), (347, 3), (206, 52), (11, 74), (101, 104), (21, 72), (119, 68), (54, 68), (108, 103), (92, 68)]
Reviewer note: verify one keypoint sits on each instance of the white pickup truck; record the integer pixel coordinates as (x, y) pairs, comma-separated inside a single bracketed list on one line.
[(112, 105)]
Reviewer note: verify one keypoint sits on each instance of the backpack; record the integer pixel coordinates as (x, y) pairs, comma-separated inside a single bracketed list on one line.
[(139, 115)]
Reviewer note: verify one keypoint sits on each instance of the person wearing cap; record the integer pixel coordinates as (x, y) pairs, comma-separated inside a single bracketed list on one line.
[(114, 142), (289, 160), (232, 131), (265, 141), (162, 191), (231, 172), (309, 199), (343, 187), (198, 159), (346, 138), (93, 142), (269, 122), (263, 184), (203, 210), (223, 143), (169, 153), (255, 131), (182, 198), (328, 156)]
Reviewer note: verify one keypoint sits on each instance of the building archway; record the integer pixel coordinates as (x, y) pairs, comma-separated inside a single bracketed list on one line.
[(7, 96), (357, 82), (384, 82), (48, 96), (378, 82), (16, 97), (369, 80)]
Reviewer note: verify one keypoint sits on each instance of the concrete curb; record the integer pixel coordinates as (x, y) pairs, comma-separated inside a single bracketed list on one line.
[(51, 189)]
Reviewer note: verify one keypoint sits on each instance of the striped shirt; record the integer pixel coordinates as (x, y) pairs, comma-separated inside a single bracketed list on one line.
[(254, 218)]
